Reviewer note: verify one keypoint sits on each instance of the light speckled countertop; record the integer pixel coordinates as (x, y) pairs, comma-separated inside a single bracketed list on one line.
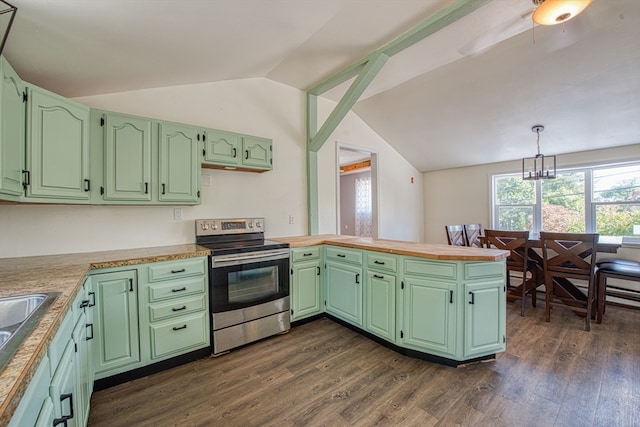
[(64, 274), (398, 247)]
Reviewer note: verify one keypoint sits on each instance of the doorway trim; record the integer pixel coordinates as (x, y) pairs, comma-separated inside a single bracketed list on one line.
[(373, 155)]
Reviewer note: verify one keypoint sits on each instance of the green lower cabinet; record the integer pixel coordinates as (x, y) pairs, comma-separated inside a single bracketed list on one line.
[(116, 321), (179, 335), (485, 318), (36, 407), (344, 292), (429, 316), (306, 289), (380, 307)]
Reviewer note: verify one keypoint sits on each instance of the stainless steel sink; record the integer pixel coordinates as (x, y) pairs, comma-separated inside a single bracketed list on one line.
[(18, 316)]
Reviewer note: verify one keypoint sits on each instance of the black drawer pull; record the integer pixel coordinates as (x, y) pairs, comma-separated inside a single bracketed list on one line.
[(93, 297), (358, 278), (130, 285), (177, 328), (184, 307), (90, 325), (341, 255), (235, 153), (378, 277), (163, 189), (472, 298), (378, 262), (307, 254), (146, 188), (450, 297), (87, 185), (64, 397), (318, 267), (246, 154), (182, 270), (179, 290), (84, 303)]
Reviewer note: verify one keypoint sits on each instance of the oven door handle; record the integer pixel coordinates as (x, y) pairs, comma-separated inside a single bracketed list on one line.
[(224, 260)]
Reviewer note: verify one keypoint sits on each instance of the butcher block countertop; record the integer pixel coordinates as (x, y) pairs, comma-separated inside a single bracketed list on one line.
[(398, 247), (64, 274)]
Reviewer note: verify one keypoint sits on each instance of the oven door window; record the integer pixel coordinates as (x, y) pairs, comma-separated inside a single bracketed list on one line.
[(244, 285), (252, 285)]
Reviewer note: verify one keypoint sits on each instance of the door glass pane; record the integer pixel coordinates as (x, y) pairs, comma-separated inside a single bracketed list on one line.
[(563, 203)]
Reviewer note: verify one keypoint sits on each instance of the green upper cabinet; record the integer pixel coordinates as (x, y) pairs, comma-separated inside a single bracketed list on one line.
[(228, 150), (12, 131), (57, 147), (256, 152), (127, 157), (222, 147), (179, 171)]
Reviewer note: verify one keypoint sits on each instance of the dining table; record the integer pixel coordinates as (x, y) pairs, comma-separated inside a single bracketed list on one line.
[(565, 290)]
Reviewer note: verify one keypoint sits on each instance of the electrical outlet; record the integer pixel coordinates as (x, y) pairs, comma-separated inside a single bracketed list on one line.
[(177, 214), (292, 219)]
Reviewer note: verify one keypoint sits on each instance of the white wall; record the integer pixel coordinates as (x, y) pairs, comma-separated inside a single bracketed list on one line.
[(400, 207), (252, 106), (463, 195)]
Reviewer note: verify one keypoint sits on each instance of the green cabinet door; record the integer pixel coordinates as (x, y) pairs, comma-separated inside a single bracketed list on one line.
[(485, 318), (344, 292), (429, 315), (62, 389), (306, 289), (12, 130), (222, 147), (83, 392), (179, 166), (116, 321), (380, 307), (127, 157), (256, 152), (57, 147)]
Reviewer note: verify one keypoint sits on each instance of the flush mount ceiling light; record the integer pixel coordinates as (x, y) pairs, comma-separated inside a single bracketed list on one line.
[(538, 167), (551, 12)]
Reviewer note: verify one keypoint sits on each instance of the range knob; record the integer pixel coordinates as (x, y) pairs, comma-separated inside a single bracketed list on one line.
[(258, 224), (250, 224), (204, 226), (214, 226)]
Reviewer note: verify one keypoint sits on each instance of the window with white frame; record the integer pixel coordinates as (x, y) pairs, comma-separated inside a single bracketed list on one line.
[(603, 199)]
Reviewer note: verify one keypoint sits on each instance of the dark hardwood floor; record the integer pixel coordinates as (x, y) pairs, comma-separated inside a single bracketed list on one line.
[(323, 374)]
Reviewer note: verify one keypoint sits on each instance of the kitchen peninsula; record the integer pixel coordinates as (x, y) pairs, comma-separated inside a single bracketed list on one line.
[(444, 301)]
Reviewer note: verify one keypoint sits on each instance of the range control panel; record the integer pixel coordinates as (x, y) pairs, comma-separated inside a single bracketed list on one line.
[(213, 227)]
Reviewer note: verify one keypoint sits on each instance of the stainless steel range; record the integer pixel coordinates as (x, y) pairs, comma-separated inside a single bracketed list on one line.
[(248, 281)]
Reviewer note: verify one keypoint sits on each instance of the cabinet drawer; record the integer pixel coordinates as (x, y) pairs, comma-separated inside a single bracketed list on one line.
[(380, 261), (179, 335), (344, 255), (479, 270), (445, 270), (176, 307), (304, 254), (177, 288), (176, 269)]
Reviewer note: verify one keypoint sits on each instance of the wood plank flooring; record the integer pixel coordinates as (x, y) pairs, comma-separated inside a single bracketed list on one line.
[(323, 374)]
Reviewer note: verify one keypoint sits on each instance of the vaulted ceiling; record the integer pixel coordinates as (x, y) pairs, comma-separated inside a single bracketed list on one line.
[(465, 95)]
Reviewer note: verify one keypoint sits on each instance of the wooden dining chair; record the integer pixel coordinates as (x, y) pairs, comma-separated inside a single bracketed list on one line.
[(517, 243), (568, 257), (472, 234), (455, 235)]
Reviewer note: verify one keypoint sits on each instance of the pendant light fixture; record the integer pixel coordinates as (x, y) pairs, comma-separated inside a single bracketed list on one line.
[(551, 12), (540, 166)]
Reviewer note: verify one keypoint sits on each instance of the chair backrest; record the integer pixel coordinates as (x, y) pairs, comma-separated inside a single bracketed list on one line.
[(472, 233), (455, 235), (571, 255), (517, 242)]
